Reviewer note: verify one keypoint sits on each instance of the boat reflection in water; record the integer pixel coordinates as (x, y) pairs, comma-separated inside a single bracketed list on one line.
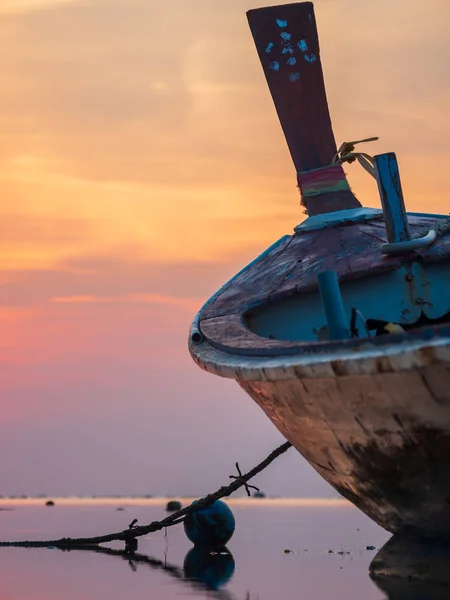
[(406, 569)]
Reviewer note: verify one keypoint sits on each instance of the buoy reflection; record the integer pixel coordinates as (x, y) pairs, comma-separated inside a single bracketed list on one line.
[(211, 568)]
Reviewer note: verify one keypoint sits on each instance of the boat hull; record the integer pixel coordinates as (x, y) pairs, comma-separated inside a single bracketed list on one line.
[(381, 440), (374, 423)]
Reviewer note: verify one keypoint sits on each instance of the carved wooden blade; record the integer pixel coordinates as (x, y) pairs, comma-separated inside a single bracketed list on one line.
[(288, 47)]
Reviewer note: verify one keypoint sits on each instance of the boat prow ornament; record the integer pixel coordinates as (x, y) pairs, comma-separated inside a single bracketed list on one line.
[(340, 331)]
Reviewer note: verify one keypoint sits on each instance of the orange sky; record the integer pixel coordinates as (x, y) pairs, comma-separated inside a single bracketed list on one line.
[(141, 164)]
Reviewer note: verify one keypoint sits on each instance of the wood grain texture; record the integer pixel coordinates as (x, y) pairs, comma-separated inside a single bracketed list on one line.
[(390, 189), (352, 250), (288, 47), (382, 441)]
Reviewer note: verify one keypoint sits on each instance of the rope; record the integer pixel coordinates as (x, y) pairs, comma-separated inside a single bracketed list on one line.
[(134, 558), (440, 226), (419, 240), (332, 179), (176, 517), (346, 153), (324, 180)]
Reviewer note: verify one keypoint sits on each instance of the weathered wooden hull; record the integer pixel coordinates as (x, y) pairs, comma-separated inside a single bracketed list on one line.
[(371, 414), (378, 431), (341, 331)]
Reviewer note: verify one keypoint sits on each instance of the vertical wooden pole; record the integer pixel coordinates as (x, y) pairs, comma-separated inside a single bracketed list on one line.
[(390, 188), (338, 324)]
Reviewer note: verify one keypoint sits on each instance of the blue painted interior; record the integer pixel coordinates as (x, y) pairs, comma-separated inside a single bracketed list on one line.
[(393, 296), (195, 333)]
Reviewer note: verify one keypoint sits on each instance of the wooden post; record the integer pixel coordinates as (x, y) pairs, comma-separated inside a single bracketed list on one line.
[(390, 189), (287, 43), (338, 324)]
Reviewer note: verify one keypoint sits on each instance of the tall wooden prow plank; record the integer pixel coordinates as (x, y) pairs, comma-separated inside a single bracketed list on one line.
[(288, 47)]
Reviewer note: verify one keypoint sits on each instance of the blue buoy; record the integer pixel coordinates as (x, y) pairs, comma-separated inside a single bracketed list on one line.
[(210, 527)]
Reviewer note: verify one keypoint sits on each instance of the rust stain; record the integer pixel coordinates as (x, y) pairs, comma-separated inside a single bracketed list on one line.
[(428, 355), (384, 364), (339, 368)]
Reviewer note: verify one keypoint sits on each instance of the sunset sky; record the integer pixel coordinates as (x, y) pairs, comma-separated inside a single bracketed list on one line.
[(141, 165)]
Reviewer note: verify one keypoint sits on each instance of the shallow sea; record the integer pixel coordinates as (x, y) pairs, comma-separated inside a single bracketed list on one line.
[(327, 559)]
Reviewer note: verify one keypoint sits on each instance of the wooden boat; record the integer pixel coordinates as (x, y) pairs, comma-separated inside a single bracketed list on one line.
[(341, 330)]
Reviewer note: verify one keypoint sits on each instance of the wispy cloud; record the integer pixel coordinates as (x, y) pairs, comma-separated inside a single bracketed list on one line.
[(9, 7), (182, 303), (141, 165)]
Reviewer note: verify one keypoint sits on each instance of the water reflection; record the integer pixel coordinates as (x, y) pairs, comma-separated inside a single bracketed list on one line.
[(405, 569), (202, 569), (213, 569), (399, 589)]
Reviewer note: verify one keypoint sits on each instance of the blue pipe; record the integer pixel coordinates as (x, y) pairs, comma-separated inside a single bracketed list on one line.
[(333, 304)]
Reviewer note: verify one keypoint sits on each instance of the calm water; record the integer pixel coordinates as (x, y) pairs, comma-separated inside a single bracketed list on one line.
[(258, 569)]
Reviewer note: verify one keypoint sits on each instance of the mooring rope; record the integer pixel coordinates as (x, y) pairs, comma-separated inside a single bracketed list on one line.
[(134, 531), (178, 573)]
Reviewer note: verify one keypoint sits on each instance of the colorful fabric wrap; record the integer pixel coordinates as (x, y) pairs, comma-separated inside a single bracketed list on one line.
[(322, 181)]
